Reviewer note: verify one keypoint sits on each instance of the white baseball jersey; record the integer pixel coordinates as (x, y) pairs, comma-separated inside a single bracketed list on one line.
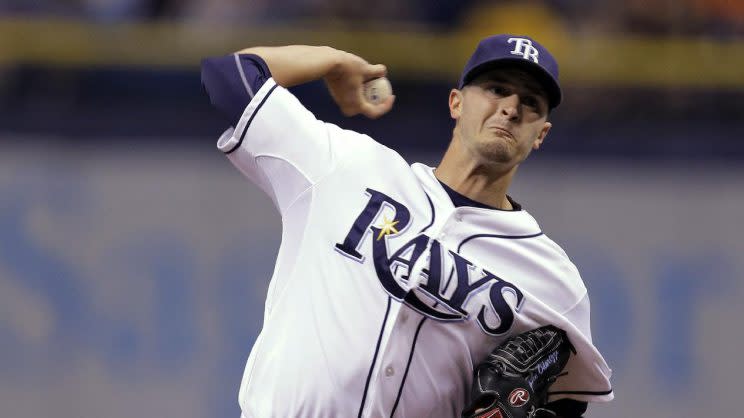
[(385, 295)]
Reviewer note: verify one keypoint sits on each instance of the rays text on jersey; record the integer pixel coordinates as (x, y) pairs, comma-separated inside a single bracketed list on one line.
[(422, 273)]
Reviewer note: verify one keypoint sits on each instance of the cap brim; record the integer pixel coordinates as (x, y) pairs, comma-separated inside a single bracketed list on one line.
[(546, 80)]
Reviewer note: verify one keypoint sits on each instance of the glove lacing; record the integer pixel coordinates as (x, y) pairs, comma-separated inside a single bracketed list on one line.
[(526, 346)]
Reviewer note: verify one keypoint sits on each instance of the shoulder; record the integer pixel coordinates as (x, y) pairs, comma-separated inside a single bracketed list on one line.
[(559, 265), (558, 255)]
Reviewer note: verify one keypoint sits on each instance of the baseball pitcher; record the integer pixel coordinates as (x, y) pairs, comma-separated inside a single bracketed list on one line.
[(403, 290)]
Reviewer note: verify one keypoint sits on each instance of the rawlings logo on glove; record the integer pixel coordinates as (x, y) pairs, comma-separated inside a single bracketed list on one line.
[(513, 381)]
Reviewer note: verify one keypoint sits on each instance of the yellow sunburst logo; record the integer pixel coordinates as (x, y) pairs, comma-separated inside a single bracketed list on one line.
[(388, 227)]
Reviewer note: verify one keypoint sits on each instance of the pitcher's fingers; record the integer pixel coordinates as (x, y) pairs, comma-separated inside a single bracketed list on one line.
[(375, 71), (373, 111)]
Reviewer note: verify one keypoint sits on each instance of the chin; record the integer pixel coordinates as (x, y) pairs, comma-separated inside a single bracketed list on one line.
[(499, 151)]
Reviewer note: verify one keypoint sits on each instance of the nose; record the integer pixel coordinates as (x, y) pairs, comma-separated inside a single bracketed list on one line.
[(510, 106)]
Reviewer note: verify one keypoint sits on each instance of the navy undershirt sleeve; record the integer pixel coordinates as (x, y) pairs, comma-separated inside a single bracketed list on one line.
[(567, 408), (231, 81)]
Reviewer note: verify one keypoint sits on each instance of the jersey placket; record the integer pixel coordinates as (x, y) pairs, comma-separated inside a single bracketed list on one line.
[(397, 353), (394, 363)]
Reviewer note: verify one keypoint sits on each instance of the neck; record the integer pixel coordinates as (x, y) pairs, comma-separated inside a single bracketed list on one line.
[(482, 182)]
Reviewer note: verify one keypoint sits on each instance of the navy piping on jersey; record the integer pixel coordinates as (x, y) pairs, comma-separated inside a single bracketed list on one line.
[(242, 134), (580, 392), (405, 374), (374, 359), (433, 213), (459, 247)]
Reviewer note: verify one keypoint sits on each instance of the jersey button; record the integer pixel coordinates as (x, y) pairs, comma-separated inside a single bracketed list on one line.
[(458, 218), (403, 318), (389, 371)]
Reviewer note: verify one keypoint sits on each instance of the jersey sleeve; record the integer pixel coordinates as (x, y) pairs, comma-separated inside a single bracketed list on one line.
[(273, 140), (280, 145), (586, 376)]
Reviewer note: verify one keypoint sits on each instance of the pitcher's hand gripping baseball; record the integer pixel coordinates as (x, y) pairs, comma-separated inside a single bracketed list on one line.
[(346, 83), (513, 381)]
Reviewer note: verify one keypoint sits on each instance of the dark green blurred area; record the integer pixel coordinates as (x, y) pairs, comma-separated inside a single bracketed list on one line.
[(641, 79)]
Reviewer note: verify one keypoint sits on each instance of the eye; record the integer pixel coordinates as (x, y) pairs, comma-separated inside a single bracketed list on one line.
[(499, 90), (530, 101)]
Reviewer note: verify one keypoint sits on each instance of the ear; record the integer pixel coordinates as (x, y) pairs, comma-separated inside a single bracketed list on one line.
[(541, 136), (455, 103)]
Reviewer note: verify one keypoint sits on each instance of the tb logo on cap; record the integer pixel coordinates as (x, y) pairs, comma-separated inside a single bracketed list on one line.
[(524, 48)]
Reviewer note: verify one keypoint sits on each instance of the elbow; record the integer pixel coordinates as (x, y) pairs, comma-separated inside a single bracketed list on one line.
[(223, 85)]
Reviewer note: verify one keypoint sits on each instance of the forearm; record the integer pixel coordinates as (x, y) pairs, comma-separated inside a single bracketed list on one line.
[(297, 64), (231, 81)]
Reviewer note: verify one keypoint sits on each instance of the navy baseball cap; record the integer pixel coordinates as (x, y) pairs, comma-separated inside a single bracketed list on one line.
[(515, 50)]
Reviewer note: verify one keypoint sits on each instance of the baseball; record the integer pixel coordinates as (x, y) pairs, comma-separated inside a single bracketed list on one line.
[(377, 90)]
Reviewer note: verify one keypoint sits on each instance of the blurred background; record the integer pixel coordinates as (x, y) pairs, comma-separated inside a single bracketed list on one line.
[(134, 259)]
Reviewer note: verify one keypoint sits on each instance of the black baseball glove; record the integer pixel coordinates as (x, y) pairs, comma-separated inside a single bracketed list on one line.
[(513, 381)]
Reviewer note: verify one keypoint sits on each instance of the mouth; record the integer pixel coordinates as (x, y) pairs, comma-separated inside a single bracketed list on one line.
[(501, 131)]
